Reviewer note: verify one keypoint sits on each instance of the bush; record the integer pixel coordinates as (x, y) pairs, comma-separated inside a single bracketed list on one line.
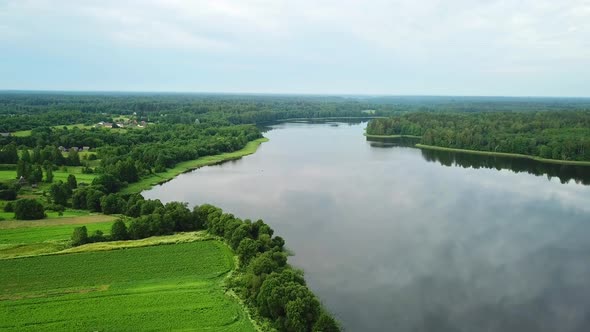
[(80, 236), (8, 194), (28, 209), (9, 207), (119, 231)]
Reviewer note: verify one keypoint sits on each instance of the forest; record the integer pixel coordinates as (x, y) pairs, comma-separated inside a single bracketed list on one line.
[(549, 135)]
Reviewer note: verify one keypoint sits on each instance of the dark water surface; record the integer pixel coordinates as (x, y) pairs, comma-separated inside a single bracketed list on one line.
[(393, 238)]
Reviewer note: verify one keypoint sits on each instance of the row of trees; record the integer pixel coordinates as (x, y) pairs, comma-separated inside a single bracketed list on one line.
[(553, 135)]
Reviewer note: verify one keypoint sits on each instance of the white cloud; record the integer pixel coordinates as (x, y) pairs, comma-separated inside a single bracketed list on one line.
[(430, 39)]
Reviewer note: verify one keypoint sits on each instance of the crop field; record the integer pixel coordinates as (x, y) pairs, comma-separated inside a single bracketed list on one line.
[(48, 233), (25, 238), (160, 287)]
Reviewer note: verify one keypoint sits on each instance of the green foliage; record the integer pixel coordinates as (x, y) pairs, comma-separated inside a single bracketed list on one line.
[(36, 174), (119, 231), (60, 193), (73, 157), (9, 207), (8, 192), (72, 182), (551, 135), (49, 173), (9, 154), (108, 181), (112, 204), (28, 209), (80, 236)]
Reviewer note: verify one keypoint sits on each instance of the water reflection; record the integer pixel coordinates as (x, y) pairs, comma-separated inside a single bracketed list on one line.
[(565, 173)]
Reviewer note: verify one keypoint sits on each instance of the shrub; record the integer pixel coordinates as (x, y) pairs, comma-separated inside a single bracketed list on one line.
[(119, 231), (80, 236), (9, 207), (28, 209)]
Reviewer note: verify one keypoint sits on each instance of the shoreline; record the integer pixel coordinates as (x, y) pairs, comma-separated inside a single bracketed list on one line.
[(390, 136), (190, 165), (485, 153), (505, 154)]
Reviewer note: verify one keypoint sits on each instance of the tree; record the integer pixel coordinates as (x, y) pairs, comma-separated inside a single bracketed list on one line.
[(28, 209), (60, 193), (36, 174), (73, 157), (108, 181), (79, 199), (112, 203), (119, 231), (80, 236), (9, 154), (49, 173), (127, 171), (247, 249), (25, 156), (72, 182), (325, 323), (23, 169), (93, 198)]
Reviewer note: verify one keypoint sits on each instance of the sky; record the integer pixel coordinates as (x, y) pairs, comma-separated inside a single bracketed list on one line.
[(400, 47)]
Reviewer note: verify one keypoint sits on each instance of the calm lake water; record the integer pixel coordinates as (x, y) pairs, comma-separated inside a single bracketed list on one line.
[(393, 238)]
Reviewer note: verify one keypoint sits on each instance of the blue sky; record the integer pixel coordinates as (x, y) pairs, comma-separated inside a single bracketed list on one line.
[(453, 47)]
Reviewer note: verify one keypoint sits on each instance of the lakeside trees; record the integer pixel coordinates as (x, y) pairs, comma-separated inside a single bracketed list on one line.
[(551, 135)]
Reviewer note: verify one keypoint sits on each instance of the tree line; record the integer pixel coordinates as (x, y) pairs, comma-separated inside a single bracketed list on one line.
[(551, 134)]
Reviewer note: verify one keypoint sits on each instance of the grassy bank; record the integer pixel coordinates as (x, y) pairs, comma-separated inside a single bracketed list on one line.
[(183, 167), (504, 154)]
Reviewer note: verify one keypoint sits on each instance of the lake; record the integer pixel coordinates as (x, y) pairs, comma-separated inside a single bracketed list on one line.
[(394, 238)]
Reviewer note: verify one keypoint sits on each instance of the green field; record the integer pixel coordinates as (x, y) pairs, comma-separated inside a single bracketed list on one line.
[(28, 238), (25, 133), (59, 174), (132, 289), (148, 182)]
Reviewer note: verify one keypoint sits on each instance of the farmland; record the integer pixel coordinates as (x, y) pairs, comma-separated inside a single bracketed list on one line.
[(139, 289)]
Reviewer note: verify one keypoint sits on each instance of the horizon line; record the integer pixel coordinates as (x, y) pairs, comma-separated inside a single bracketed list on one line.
[(294, 94)]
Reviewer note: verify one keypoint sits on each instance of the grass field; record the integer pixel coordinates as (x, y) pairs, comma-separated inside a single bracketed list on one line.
[(148, 182), (6, 175), (25, 133), (29, 238), (131, 289), (51, 215)]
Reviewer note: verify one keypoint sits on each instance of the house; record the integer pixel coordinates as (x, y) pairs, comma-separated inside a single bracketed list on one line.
[(22, 180), (62, 149), (85, 148), (5, 134)]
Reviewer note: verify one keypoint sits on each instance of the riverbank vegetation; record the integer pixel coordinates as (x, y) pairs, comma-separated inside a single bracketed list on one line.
[(547, 136)]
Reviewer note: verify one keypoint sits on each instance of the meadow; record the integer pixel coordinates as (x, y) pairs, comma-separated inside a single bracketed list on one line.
[(127, 289), (27, 238)]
